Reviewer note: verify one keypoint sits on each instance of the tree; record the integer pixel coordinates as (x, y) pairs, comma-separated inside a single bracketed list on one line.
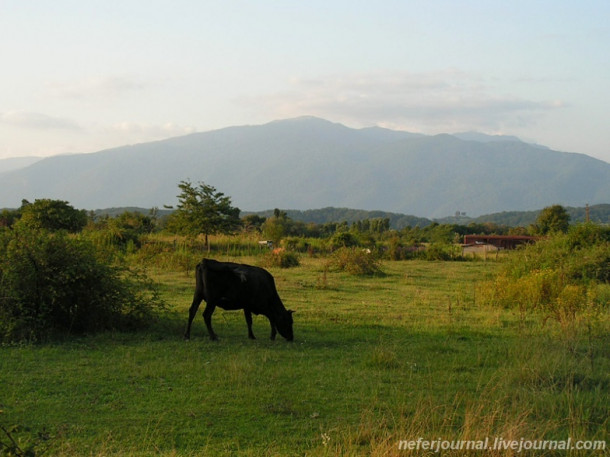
[(277, 226), (52, 215), (253, 222), (9, 217), (203, 210), (552, 219)]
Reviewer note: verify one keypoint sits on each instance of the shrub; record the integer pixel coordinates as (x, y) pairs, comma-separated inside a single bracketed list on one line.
[(344, 240), (396, 250), (52, 215), (588, 234), (296, 244), (356, 261), (280, 258), (122, 233), (558, 277), (601, 295), (55, 284), (436, 251)]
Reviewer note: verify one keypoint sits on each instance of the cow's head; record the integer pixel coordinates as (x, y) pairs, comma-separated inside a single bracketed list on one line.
[(284, 325)]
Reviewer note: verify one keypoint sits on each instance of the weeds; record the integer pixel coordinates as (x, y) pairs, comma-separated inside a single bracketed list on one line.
[(19, 441), (564, 278)]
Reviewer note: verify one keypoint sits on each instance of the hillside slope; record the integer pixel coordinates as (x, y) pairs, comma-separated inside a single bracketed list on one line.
[(311, 163), (16, 163)]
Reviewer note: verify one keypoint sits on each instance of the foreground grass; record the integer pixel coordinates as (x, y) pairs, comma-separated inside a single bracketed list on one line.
[(376, 360)]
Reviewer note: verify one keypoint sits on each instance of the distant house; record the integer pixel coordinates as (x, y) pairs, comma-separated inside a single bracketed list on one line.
[(499, 241)]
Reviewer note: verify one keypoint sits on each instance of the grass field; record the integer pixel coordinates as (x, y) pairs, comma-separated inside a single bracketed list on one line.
[(375, 360)]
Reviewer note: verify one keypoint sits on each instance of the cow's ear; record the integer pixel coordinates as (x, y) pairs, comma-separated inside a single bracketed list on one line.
[(291, 311)]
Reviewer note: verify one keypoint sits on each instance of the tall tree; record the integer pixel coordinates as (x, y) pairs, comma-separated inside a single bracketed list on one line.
[(277, 226), (204, 210), (552, 219)]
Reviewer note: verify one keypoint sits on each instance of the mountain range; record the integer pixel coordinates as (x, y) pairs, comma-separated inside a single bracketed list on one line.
[(307, 162), (15, 163)]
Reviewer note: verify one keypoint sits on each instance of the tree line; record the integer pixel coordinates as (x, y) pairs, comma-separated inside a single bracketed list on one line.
[(203, 210), (63, 270)]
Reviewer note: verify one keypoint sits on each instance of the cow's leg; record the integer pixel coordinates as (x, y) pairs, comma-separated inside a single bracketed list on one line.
[(248, 315), (192, 313), (207, 317), (273, 330)]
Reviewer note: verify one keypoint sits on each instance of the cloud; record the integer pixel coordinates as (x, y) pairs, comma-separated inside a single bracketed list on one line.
[(38, 121), (99, 87), (428, 102)]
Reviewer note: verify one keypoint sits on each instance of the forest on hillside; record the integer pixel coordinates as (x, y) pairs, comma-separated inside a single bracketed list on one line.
[(597, 213)]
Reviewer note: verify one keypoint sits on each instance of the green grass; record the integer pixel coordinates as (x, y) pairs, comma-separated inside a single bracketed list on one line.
[(375, 360)]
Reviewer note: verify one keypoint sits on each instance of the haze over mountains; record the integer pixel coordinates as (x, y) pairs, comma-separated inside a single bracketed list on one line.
[(308, 163), (15, 163)]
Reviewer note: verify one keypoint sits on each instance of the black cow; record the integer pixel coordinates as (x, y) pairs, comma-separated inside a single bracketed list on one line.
[(233, 286)]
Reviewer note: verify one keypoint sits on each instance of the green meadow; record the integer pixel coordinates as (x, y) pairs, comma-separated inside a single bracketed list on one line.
[(413, 353)]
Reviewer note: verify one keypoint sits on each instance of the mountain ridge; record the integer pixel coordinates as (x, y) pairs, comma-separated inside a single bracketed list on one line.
[(309, 162), (17, 163)]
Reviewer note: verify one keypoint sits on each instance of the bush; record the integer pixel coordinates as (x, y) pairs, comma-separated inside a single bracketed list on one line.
[(124, 232), (396, 250), (343, 240), (356, 261), (558, 277), (55, 284), (441, 251), (280, 258), (296, 244), (588, 234), (52, 215)]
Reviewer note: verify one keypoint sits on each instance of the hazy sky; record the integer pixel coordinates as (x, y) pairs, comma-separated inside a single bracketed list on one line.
[(80, 76)]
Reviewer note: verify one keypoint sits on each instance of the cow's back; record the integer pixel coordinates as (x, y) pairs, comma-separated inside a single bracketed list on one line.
[(235, 285)]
